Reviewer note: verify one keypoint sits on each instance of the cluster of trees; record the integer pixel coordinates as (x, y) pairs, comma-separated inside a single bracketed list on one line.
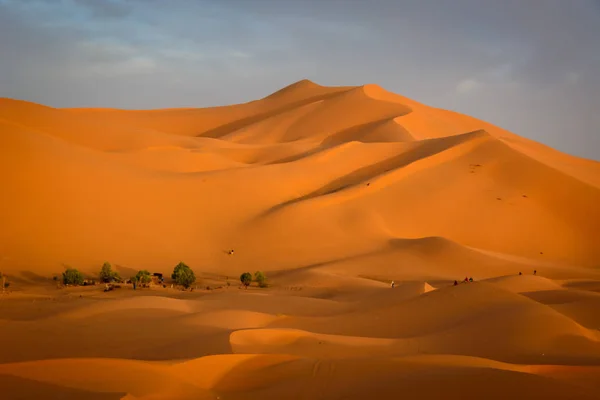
[(182, 275), (259, 277)]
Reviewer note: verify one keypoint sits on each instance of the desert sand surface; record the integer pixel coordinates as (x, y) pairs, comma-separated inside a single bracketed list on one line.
[(333, 192)]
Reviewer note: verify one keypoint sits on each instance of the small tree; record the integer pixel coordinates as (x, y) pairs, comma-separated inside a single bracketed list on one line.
[(260, 278), (143, 277), (72, 277), (246, 279), (183, 275), (107, 274)]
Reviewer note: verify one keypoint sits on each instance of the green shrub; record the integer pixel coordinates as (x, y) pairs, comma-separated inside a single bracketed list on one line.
[(246, 279), (260, 278), (72, 277), (183, 275), (107, 274), (143, 277)]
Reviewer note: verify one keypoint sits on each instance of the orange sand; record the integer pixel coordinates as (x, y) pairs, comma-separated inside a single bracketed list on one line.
[(332, 191)]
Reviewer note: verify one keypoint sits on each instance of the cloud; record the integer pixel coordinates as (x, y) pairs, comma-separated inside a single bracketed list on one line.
[(181, 54), (467, 85), (106, 8), (127, 67), (103, 50), (238, 54)]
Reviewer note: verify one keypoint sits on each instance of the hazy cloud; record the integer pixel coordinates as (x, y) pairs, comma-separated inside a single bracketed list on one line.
[(467, 85), (528, 66), (106, 8)]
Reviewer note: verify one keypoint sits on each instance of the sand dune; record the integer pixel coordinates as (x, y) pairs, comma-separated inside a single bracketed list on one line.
[(220, 376), (232, 319), (136, 303), (377, 154), (334, 192), (308, 344), (439, 321), (379, 331), (521, 284)]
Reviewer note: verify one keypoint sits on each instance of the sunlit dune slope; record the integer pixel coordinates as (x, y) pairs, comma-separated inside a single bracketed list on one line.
[(309, 175)]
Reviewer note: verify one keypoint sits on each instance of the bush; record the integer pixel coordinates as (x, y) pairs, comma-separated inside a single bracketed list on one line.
[(107, 274), (246, 279), (260, 278), (183, 275), (72, 277), (143, 277)]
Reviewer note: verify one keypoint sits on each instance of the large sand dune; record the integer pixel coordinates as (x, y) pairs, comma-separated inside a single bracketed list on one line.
[(332, 191)]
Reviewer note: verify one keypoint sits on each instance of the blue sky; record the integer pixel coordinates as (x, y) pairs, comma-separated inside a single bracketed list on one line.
[(530, 66)]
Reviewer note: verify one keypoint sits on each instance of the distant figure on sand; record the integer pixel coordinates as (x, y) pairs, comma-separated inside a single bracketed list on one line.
[(471, 279), (466, 279), (455, 283), (520, 273), (393, 284), (230, 252), (535, 272)]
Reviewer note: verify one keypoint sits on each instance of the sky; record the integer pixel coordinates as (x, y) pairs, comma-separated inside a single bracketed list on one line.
[(529, 66)]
